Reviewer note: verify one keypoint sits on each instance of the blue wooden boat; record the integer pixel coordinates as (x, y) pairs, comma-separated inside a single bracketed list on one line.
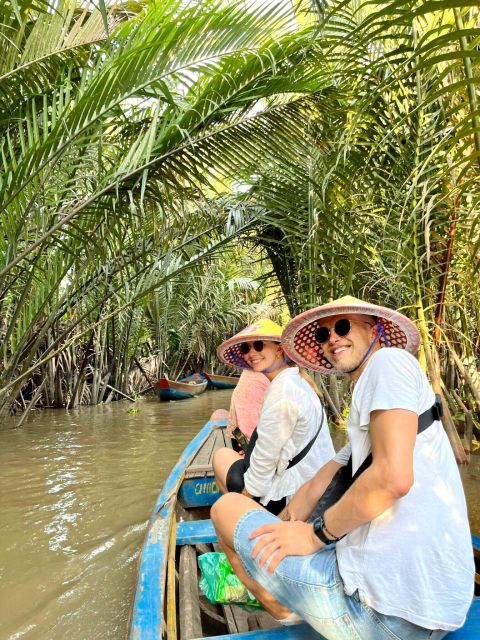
[(167, 603), (187, 387), (221, 382)]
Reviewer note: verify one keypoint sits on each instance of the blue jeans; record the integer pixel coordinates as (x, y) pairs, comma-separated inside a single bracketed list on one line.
[(312, 587)]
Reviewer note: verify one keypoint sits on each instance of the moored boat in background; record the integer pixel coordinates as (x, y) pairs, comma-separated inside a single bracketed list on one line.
[(221, 382), (181, 389), (168, 605)]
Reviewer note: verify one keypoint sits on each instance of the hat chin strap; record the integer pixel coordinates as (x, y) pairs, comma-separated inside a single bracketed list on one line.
[(380, 332), (375, 340)]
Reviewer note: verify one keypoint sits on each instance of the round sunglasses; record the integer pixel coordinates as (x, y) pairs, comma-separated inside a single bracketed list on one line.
[(341, 327), (256, 344)]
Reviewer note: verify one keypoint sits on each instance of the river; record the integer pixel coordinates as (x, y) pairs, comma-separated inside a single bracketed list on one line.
[(77, 488)]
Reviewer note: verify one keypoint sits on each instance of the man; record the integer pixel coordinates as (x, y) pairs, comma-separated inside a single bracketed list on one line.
[(392, 558)]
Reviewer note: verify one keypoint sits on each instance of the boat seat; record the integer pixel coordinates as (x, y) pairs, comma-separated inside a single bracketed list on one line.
[(471, 629), (195, 532), (294, 632), (303, 631)]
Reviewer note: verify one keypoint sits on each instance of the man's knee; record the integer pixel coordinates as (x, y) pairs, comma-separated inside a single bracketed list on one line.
[(218, 510), (230, 507)]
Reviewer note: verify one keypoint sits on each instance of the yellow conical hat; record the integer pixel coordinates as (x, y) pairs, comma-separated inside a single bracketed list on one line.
[(264, 329), (299, 343)]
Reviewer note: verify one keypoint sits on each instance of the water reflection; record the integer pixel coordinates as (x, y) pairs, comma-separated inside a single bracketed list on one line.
[(77, 491)]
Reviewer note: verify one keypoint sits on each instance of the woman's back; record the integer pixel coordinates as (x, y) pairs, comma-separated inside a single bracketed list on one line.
[(247, 401), (289, 420)]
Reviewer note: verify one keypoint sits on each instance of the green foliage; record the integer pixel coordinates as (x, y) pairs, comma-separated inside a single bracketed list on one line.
[(105, 121)]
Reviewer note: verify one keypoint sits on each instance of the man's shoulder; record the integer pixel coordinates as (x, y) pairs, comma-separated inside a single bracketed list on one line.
[(393, 356), (387, 365)]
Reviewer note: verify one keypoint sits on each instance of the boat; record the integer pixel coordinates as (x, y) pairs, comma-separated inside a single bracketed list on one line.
[(168, 605), (187, 387), (221, 382)]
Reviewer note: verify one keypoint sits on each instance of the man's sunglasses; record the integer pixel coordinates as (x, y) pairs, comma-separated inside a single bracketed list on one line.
[(256, 344), (341, 327)]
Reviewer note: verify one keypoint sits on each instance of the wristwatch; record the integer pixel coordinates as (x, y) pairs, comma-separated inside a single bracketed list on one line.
[(319, 530)]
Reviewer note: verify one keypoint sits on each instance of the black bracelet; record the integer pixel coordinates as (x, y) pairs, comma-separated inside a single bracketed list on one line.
[(334, 538)]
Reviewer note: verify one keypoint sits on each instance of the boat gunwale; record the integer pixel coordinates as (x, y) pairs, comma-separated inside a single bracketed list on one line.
[(147, 613)]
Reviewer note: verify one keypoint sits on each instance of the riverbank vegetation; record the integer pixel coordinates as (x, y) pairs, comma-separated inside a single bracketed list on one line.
[(169, 166)]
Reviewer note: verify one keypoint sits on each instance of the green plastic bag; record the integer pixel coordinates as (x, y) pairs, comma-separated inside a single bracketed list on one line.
[(219, 583)]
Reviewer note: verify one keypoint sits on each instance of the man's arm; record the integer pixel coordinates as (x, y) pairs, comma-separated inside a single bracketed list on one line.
[(303, 503), (390, 477)]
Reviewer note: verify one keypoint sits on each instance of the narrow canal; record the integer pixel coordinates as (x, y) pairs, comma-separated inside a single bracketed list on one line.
[(77, 488)]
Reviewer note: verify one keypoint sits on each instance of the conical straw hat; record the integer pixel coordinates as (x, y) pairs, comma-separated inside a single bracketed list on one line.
[(229, 351), (298, 339)]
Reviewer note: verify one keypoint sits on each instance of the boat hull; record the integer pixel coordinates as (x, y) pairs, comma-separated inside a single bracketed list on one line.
[(177, 390), (150, 594), (221, 382)]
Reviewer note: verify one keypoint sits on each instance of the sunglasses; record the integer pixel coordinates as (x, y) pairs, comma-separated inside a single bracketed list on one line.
[(256, 344), (341, 327)]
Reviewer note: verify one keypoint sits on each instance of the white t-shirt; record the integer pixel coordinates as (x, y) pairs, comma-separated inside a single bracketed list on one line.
[(290, 417), (415, 560)]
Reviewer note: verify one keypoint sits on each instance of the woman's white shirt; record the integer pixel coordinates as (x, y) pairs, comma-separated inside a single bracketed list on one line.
[(290, 417)]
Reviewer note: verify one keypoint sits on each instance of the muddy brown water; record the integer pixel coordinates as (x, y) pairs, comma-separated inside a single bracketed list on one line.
[(77, 488)]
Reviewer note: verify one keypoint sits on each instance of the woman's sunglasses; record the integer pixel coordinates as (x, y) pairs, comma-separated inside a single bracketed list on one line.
[(256, 344), (341, 327)]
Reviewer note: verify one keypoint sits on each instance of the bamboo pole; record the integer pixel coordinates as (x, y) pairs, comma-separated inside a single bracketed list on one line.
[(475, 391), (171, 601), (447, 420), (331, 404), (463, 407), (124, 395)]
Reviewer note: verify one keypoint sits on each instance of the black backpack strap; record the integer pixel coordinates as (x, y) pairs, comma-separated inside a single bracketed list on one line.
[(296, 459), (429, 416), (425, 420)]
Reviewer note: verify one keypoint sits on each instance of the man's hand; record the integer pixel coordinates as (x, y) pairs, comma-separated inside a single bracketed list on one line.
[(293, 538), (286, 514)]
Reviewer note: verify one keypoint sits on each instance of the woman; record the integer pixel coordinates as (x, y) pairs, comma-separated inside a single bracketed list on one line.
[(292, 440)]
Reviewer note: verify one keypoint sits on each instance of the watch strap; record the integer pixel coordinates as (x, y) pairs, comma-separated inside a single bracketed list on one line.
[(318, 529)]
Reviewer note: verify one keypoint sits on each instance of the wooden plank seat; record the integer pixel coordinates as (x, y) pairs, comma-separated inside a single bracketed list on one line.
[(294, 632), (195, 532), (303, 631), (202, 462)]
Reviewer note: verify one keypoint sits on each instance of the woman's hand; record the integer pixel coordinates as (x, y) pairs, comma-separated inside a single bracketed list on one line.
[(282, 539)]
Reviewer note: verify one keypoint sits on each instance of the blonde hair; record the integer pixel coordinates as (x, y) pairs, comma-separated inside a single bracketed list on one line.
[(308, 378)]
